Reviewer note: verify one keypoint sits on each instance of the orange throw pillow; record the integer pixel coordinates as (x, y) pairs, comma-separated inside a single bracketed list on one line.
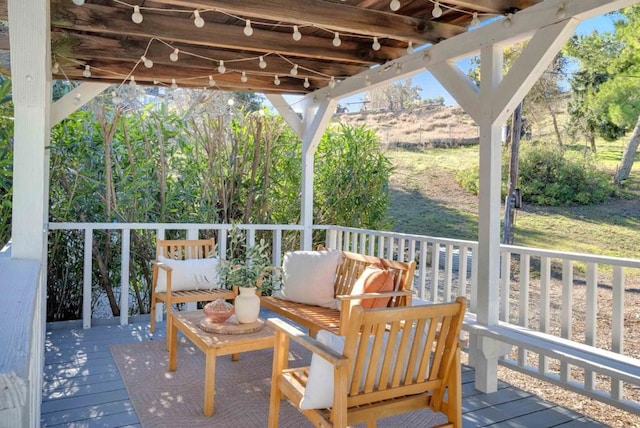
[(377, 281)]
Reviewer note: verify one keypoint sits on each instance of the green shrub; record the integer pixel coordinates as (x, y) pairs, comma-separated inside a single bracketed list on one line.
[(549, 176)]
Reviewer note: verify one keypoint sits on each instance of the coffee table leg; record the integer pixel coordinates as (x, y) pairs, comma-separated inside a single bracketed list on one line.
[(173, 347), (209, 382)]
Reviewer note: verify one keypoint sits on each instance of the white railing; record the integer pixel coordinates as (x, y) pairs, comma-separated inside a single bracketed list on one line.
[(552, 292)]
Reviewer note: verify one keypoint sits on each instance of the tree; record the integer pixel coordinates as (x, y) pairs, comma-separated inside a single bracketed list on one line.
[(395, 96), (6, 159), (613, 107)]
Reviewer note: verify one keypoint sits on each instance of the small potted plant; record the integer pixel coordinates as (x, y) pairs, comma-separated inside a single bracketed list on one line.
[(245, 268)]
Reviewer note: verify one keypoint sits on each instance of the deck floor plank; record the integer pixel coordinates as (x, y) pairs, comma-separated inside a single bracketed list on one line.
[(82, 386)]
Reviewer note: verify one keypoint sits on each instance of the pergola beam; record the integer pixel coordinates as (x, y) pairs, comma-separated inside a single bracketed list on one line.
[(332, 16)]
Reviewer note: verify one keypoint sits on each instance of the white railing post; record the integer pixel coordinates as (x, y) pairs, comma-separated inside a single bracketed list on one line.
[(590, 318), (545, 308), (124, 276), (435, 270), (505, 285), (87, 277), (448, 273), (523, 312), (276, 244), (617, 324), (566, 312), (422, 269)]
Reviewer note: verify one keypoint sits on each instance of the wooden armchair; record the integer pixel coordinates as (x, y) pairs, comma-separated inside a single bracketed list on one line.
[(173, 282), (392, 360)]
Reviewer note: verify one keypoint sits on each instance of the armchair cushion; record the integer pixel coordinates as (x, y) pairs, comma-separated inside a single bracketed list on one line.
[(190, 274), (308, 277)]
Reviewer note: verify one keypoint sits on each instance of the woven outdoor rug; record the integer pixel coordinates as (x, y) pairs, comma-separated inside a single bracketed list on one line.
[(174, 399)]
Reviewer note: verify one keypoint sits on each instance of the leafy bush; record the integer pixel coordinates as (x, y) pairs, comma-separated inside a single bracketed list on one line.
[(549, 176)]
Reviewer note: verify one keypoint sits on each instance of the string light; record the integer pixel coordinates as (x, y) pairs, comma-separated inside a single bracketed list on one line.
[(146, 61), (294, 70), (306, 83), (376, 44), (221, 67), (262, 63), (78, 2), (197, 19), (115, 98), (332, 82), (174, 55), (243, 78), (475, 21), (276, 81), (507, 21), (336, 40), (296, 34), (394, 5), (561, 12), (56, 68), (437, 10), (211, 81), (174, 85), (132, 82), (87, 71), (248, 31), (136, 16), (410, 48)]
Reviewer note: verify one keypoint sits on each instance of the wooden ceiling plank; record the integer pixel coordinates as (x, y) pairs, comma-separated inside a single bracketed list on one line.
[(332, 16), (108, 20), (86, 48)]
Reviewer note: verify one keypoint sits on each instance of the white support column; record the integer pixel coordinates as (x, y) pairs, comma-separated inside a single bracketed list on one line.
[(287, 113), (75, 99), (316, 121), (31, 80)]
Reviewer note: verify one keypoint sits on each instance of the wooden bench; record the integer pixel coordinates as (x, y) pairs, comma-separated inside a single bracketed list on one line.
[(349, 269)]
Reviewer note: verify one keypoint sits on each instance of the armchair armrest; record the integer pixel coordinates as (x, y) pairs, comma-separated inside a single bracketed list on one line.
[(308, 342)]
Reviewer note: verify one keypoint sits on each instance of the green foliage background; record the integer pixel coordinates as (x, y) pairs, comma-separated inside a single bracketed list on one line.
[(158, 164)]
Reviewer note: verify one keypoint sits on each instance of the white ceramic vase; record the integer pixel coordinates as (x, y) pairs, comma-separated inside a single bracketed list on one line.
[(247, 305)]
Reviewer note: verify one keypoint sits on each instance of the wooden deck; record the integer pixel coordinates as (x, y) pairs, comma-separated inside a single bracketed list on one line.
[(83, 388)]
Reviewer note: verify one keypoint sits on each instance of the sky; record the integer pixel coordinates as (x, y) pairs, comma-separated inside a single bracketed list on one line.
[(432, 89)]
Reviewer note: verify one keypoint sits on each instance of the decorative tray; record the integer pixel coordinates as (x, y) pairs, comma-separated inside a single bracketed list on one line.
[(230, 326)]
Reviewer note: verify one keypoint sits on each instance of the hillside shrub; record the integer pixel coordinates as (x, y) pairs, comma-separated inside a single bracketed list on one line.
[(549, 176)]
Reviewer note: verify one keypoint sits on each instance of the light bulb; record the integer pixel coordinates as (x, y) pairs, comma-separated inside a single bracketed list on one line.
[(243, 78), (231, 102), (174, 85), (211, 81), (197, 19), (437, 10), (262, 63), (376, 44), (247, 28), (87, 71), (132, 81), (332, 83), (475, 21), (55, 68), (306, 83), (136, 16), (336, 40), (294, 70), (115, 98), (78, 2), (507, 21), (394, 5), (76, 99), (221, 67), (296, 33), (410, 48), (276, 81), (174, 55), (561, 12), (146, 61)]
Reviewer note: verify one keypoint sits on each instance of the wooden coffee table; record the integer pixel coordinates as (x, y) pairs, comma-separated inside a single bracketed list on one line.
[(213, 345)]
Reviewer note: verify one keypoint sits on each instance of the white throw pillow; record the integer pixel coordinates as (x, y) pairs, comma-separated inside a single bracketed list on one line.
[(318, 393), (191, 274), (308, 277)]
